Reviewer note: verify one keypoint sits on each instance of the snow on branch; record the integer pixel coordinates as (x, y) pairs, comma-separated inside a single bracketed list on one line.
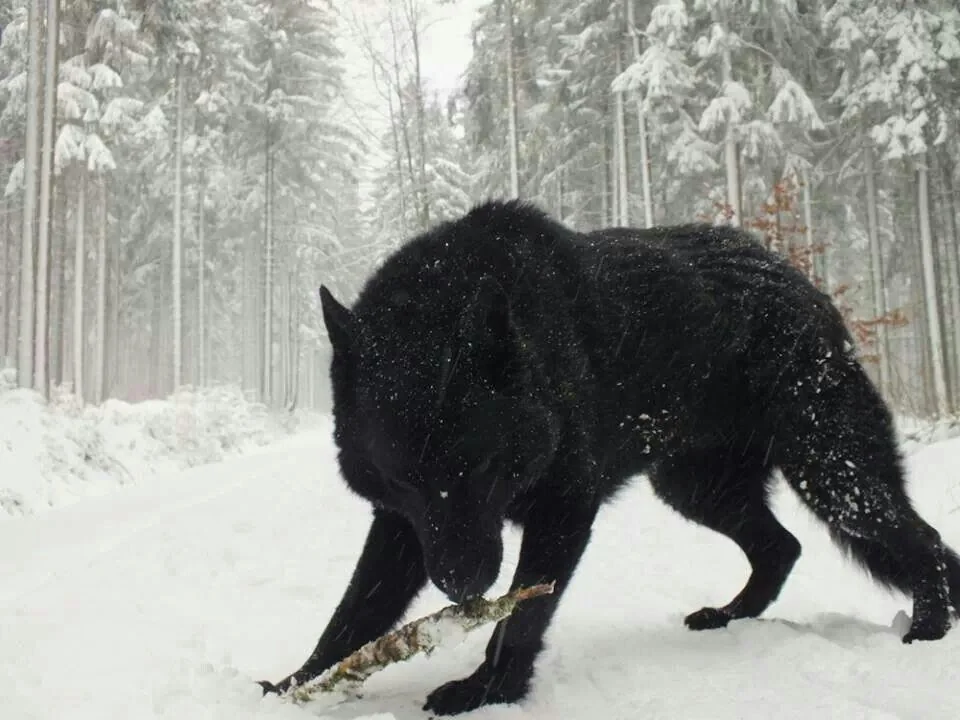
[(792, 104), (661, 71), (99, 157), (70, 146), (103, 76), (75, 102), (73, 71), (120, 111)]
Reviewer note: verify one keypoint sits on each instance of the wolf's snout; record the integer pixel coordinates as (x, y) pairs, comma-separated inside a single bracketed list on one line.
[(462, 581), (463, 560)]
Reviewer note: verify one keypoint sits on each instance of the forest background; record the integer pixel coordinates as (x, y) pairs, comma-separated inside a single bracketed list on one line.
[(177, 177)]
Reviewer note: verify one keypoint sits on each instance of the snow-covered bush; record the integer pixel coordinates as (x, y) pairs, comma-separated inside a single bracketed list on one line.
[(52, 453), (200, 426), (8, 379), (916, 432)]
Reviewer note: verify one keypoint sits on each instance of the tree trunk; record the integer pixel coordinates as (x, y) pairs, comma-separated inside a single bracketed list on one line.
[(943, 299), (953, 261), (178, 238), (620, 129), (399, 160), (921, 354), (31, 157), (6, 241), (267, 368), (44, 212), (421, 116), (114, 354), (731, 153), (78, 275), (307, 381), (250, 357), (645, 184), (57, 261), (156, 360), (613, 157), (283, 379), (13, 295), (559, 208), (404, 125), (293, 391), (606, 173), (64, 329), (876, 264), (201, 287), (512, 137), (100, 352), (808, 225), (930, 288)]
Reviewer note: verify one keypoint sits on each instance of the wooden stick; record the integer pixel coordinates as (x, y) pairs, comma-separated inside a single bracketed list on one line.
[(419, 636)]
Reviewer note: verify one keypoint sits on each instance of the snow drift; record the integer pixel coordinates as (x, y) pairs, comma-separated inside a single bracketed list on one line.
[(52, 454)]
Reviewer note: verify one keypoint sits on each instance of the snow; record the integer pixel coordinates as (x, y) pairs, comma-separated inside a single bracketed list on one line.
[(54, 455), (99, 157), (792, 104), (661, 71), (170, 598), (727, 107), (118, 112), (70, 146), (103, 76)]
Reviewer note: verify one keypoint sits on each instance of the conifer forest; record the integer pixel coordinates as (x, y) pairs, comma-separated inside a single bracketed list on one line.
[(178, 177)]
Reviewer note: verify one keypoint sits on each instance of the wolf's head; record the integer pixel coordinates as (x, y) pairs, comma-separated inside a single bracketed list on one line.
[(439, 416)]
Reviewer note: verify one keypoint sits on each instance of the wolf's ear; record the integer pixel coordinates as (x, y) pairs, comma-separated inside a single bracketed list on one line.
[(340, 322)]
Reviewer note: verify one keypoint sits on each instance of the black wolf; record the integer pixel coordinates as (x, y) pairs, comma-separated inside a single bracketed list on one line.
[(504, 367)]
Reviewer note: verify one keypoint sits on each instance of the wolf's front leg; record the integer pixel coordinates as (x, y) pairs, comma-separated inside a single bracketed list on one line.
[(388, 576), (554, 537)]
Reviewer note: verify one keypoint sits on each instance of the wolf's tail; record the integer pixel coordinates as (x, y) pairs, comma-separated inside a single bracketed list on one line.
[(885, 569)]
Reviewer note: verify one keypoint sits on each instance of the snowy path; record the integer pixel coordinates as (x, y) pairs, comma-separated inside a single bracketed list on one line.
[(169, 599)]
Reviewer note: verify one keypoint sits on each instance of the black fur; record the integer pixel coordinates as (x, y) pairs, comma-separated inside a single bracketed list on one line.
[(503, 367)]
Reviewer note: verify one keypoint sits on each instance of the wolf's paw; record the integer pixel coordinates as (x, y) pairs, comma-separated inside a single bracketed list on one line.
[(708, 618), (460, 696), (931, 629), (278, 688), (269, 687)]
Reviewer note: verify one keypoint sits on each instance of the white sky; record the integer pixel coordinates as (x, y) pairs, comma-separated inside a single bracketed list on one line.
[(448, 44), (445, 51)]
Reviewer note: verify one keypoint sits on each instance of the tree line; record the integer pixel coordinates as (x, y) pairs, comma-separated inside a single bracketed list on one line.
[(177, 176), (829, 127), (213, 150)]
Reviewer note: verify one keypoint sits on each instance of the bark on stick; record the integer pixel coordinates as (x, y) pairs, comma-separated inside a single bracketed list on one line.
[(419, 636)]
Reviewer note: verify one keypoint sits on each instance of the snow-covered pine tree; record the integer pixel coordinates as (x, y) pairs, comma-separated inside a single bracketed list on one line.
[(565, 62), (447, 180), (307, 151), (44, 208), (31, 158), (13, 77), (899, 63), (113, 49)]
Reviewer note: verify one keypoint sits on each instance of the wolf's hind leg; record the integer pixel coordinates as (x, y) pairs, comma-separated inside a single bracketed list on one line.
[(728, 494)]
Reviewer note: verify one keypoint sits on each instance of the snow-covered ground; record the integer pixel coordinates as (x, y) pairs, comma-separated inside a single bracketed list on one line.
[(168, 599)]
